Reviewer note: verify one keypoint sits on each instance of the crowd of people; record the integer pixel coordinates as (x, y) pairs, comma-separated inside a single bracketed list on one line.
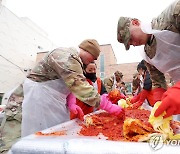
[(64, 84)]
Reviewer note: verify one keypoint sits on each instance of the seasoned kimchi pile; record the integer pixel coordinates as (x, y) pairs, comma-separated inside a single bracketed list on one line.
[(115, 129), (109, 125), (135, 127)]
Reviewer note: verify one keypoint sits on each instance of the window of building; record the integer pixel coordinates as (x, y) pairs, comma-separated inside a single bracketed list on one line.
[(102, 74), (1, 96), (129, 87)]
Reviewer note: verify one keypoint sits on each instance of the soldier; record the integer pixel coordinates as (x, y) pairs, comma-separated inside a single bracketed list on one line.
[(10, 130), (161, 52), (57, 77), (112, 82), (123, 88), (136, 84)]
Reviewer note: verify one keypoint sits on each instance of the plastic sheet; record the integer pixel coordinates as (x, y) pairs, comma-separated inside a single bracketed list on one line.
[(72, 143), (1, 117)]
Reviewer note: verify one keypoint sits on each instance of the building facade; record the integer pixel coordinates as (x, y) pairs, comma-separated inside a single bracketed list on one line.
[(20, 40), (107, 65)]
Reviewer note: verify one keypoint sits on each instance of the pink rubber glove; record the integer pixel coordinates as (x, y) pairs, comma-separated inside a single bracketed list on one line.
[(75, 109), (170, 102), (106, 105)]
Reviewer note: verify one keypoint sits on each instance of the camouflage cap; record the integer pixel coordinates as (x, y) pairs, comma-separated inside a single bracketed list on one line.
[(123, 33), (118, 73), (91, 46)]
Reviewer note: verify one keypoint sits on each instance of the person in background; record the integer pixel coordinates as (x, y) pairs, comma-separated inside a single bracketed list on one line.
[(146, 87), (54, 81), (136, 84), (113, 81), (10, 129), (90, 74), (161, 38), (123, 89), (96, 82)]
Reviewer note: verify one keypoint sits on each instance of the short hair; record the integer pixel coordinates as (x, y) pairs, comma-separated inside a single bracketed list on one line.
[(122, 83), (141, 65)]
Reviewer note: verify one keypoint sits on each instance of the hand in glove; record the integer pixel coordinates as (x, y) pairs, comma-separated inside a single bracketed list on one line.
[(142, 97), (75, 109), (157, 94), (106, 105), (170, 102), (123, 96), (135, 98)]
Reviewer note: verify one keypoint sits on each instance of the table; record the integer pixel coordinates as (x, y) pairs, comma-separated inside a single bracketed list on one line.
[(72, 143)]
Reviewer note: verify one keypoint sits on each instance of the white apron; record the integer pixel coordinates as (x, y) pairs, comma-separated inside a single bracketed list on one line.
[(95, 85), (44, 105), (114, 83), (167, 58)]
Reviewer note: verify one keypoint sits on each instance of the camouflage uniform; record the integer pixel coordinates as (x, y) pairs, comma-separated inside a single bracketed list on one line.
[(49, 83), (136, 88), (65, 63), (169, 19), (11, 130), (110, 81)]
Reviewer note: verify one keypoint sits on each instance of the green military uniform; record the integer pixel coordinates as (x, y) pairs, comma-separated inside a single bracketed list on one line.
[(136, 88), (110, 82), (64, 63), (169, 19), (50, 82), (11, 129)]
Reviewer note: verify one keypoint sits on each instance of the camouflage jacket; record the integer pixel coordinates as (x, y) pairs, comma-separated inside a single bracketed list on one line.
[(14, 105), (65, 64), (169, 19), (108, 83)]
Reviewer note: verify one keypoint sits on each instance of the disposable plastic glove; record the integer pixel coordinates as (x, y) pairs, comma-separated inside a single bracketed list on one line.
[(106, 105), (143, 96), (170, 102), (157, 94), (75, 109)]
